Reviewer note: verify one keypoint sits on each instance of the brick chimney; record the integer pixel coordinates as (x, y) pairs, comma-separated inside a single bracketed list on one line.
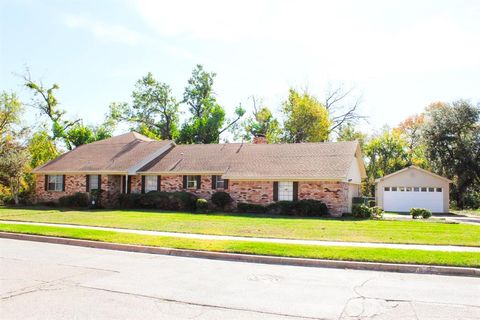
[(259, 139)]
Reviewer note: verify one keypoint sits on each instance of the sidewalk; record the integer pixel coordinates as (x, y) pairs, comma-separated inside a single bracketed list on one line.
[(269, 240)]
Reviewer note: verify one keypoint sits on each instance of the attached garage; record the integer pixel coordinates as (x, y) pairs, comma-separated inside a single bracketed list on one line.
[(413, 187)]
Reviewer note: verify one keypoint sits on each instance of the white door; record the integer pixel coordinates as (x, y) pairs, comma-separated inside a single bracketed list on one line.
[(402, 199)]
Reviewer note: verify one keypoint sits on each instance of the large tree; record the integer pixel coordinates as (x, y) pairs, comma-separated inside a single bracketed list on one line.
[(348, 132), (207, 117), (306, 118), (411, 130), (13, 163), (154, 109), (452, 137), (10, 112), (261, 122), (343, 107), (41, 148)]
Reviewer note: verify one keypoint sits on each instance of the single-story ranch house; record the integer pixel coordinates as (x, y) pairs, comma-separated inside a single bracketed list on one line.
[(256, 172)]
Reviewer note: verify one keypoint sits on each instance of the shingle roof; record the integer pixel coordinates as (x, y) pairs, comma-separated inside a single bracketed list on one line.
[(116, 154), (255, 161)]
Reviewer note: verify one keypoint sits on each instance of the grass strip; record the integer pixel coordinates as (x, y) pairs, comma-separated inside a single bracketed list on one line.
[(462, 259)]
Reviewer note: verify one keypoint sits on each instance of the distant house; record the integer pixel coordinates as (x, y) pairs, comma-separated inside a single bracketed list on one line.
[(412, 187), (256, 172)]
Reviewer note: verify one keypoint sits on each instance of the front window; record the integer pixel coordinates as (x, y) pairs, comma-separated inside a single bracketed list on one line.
[(192, 182), (285, 191), (55, 183), (219, 182), (151, 183), (93, 182)]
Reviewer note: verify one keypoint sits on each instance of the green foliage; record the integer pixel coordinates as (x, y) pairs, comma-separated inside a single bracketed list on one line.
[(14, 161), (76, 200), (307, 120), (452, 135), (307, 208), (128, 200), (376, 213), (10, 112), (154, 109), (202, 204), (349, 133), (167, 200), (361, 211), (251, 208), (221, 199), (420, 212), (41, 148), (262, 122)]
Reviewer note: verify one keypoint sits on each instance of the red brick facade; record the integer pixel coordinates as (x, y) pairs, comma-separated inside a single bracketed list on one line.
[(333, 194)]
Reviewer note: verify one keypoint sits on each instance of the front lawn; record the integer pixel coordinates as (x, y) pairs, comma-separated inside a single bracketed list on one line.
[(464, 259), (419, 232)]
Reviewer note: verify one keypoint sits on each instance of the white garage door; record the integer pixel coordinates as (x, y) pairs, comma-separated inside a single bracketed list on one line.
[(402, 199)]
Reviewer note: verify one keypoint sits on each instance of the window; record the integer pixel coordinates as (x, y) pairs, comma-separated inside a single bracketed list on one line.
[(55, 183), (424, 189), (151, 183), (431, 189), (394, 189), (416, 189), (92, 182), (408, 189), (438, 189), (386, 188), (219, 182), (401, 189), (192, 182), (285, 191)]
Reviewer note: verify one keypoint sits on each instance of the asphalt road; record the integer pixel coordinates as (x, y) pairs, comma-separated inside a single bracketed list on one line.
[(50, 281)]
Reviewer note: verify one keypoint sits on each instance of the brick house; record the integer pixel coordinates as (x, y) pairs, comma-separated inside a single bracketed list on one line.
[(250, 172)]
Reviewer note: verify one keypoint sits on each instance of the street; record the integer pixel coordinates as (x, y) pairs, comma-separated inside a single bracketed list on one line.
[(50, 281)]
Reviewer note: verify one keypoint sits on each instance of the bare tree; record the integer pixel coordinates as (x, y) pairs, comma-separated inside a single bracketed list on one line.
[(342, 105)]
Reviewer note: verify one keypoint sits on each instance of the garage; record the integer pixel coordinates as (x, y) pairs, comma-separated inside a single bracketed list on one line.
[(412, 187)]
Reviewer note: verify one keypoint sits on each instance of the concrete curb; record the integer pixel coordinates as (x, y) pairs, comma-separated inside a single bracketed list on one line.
[(303, 262)]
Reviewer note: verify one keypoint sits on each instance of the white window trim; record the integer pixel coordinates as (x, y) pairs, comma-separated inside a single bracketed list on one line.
[(285, 191), (151, 183), (91, 185), (222, 181), (194, 182), (57, 180)]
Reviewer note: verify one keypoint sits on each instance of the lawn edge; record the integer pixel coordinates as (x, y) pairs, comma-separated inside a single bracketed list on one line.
[(251, 258)]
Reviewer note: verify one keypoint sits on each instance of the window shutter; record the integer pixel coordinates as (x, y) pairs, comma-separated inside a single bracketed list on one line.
[(129, 182), (275, 191), (87, 188), (124, 184), (184, 182), (99, 186), (159, 183), (63, 183), (199, 181), (46, 182), (143, 184), (295, 191), (214, 182), (225, 184)]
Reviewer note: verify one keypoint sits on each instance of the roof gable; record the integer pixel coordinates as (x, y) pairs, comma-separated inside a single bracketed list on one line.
[(412, 168)]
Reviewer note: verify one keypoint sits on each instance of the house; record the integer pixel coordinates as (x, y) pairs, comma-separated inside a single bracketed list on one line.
[(413, 187), (256, 172)]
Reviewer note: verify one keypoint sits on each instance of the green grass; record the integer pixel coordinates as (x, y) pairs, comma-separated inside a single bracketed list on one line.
[(467, 259), (417, 232)]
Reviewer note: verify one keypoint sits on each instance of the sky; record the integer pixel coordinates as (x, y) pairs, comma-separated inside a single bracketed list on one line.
[(399, 56)]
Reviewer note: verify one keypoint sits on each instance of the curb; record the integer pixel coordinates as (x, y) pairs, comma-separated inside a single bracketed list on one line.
[(302, 262)]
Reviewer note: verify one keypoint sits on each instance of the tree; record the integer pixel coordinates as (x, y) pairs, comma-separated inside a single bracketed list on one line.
[(384, 154), (261, 122), (207, 119), (10, 111), (452, 138), (349, 133), (342, 105), (154, 110), (411, 131), (41, 148), (13, 163), (306, 119)]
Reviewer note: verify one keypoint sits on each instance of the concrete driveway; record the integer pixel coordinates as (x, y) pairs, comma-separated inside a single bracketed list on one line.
[(49, 281)]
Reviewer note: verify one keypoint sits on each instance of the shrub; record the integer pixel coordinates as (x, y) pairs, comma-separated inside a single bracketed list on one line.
[(76, 200), (155, 199), (96, 197), (361, 211), (202, 204), (221, 199), (167, 200), (250, 208), (376, 213), (372, 203), (281, 208), (310, 208), (128, 200), (183, 200), (420, 212)]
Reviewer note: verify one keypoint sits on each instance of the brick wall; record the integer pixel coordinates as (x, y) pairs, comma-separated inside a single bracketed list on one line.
[(333, 194), (259, 192)]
